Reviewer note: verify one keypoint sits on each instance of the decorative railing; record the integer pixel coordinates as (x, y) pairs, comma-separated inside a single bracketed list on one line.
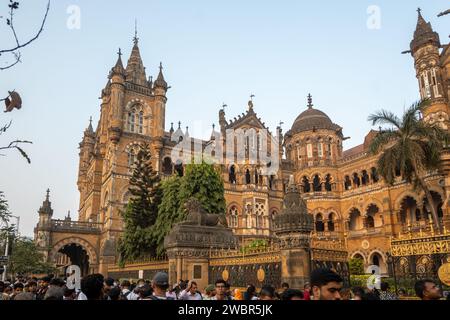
[(365, 232), (76, 226), (321, 235), (426, 243), (138, 89)]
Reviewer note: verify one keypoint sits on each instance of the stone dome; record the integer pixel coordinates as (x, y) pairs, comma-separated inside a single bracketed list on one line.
[(313, 119)]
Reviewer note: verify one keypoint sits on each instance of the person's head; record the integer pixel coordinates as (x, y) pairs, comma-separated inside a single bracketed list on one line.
[(209, 290), (69, 294), (45, 281), (358, 293), (57, 282), (326, 284), (18, 287), (125, 284), (346, 294), (160, 283), (251, 291), (140, 283), (109, 282), (427, 290), (284, 286), (114, 293), (92, 286), (292, 294), (192, 287), (267, 293), (384, 286), (145, 291), (221, 287), (307, 286), (401, 292), (54, 293)]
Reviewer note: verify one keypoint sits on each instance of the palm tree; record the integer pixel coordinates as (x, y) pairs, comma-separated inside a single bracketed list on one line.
[(411, 146)]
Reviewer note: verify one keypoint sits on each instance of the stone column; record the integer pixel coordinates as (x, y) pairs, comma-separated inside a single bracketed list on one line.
[(295, 260)]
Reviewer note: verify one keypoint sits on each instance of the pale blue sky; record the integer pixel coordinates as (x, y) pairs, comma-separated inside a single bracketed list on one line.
[(212, 52)]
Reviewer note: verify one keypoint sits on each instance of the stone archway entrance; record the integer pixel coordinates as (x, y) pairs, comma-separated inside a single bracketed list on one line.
[(77, 255), (74, 251)]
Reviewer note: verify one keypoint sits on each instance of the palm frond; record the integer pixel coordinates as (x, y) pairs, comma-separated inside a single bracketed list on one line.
[(385, 117)]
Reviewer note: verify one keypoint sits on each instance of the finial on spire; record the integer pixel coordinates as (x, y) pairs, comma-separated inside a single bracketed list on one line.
[(213, 126), (179, 124), (224, 106), (171, 126), (310, 104), (90, 120), (160, 67), (120, 53), (135, 39), (419, 11), (250, 103), (251, 97), (47, 197)]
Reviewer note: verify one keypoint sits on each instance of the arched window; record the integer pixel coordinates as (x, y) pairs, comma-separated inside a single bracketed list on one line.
[(347, 183), (135, 120), (328, 182), (408, 209), (355, 220), (179, 168), (167, 166), (317, 184), (374, 174), (306, 185), (356, 180), (248, 177), (365, 178), (320, 226), (233, 217), (232, 174), (373, 219), (256, 176), (271, 180), (140, 123), (331, 218), (320, 149), (132, 157)]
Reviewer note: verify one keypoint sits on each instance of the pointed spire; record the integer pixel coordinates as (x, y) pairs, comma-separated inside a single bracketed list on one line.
[(46, 207), (171, 127), (160, 81), (118, 69), (135, 67), (135, 39), (179, 124), (424, 33), (310, 102)]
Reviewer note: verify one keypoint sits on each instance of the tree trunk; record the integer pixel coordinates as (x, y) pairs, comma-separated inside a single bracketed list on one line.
[(431, 203)]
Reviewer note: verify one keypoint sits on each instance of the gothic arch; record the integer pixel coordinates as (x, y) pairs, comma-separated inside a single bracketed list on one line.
[(360, 253), (435, 189), (376, 202), (402, 196), (235, 204), (93, 258), (136, 101)]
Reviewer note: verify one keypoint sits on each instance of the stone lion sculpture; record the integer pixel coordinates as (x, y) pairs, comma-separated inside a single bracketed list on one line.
[(197, 216)]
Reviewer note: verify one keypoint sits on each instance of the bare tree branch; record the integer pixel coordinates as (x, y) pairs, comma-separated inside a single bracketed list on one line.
[(18, 45)]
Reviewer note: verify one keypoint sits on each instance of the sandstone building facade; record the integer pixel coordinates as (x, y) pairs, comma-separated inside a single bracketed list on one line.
[(344, 193)]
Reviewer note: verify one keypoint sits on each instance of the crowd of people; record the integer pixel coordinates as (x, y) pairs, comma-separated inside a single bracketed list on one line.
[(324, 284)]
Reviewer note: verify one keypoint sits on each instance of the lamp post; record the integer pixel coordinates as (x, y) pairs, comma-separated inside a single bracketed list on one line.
[(7, 245), (391, 261)]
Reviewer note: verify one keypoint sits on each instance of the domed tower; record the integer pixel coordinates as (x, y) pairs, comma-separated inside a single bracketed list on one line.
[(430, 71), (313, 146)]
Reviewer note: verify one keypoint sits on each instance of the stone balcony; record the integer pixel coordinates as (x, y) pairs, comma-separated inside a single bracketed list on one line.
[(75, 226), (365, 232)]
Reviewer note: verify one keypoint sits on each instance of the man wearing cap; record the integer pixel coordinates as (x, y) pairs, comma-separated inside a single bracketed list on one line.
[(209, 292), (160, 284)]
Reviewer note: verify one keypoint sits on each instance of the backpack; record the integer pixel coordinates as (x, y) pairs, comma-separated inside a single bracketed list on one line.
[(124, 296)]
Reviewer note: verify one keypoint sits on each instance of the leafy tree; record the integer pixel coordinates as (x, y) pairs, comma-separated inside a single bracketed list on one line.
[(142, 209), (411, 146), (201, 181), (169, 211), (26, 259), (356, 266)]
